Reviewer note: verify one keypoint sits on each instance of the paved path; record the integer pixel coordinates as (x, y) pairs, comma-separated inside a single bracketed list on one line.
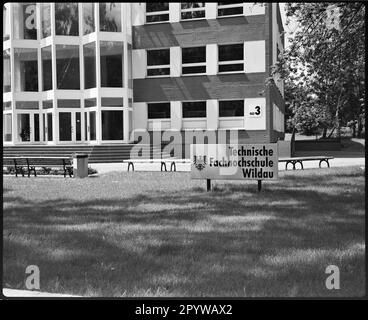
[(28, 293), (110, 167)]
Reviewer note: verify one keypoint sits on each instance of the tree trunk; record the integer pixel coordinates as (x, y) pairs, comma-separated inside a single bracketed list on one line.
[(324, 133)]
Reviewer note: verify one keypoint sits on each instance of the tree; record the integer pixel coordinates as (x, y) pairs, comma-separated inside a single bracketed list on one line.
[(325, 65)]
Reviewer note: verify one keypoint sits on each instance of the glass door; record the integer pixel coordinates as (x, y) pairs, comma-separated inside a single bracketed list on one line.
[(65, 126), (47, 127)]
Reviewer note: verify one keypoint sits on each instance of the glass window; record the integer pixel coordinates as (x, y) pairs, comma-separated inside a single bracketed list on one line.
[(110, 16), (89, 56), (36, 126), (195, 109), (88, 103), (6, 71), (193, 10), (130, 76), (193, 60), (158, 62), (78, 125), (26, 70), (112, 125), (92, 125), (229, 8), (49, 127), (24, 21), (231, 57), (24, 129), (67, 67), (233, 108), (7, 127), (111, 64), (157, 12), (65, 126), (159, 110), (46, 19), (6, 24), (46, 68), (66, 19), (88, 18)]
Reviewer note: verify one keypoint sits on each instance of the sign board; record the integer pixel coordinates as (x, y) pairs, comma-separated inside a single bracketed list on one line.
[(234, 162)]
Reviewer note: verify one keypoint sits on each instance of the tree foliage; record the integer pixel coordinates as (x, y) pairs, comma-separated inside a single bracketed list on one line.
[(324, 66)]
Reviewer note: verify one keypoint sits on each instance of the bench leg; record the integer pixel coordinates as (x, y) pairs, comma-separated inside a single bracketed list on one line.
[(130, 164), (163, 165), (286, 165), (324, 160), (173, 166)]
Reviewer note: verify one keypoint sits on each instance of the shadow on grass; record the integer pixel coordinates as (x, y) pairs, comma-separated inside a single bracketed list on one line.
[(231, 242)]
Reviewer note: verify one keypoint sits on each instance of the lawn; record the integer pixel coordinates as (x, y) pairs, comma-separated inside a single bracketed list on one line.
[(161, 234)]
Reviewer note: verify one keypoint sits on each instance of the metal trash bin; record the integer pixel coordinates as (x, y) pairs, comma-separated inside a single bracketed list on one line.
[(80, 165)]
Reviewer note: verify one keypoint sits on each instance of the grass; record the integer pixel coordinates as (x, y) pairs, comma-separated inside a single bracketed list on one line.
[(161, 234)]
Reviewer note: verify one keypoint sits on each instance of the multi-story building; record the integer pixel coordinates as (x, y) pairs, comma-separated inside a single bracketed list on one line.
[(94, 73)]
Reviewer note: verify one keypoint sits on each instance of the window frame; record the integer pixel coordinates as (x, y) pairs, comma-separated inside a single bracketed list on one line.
[(229, 62), (159, 119), (161, 66), (194, 64), (157, 13), (192, 10), (231, 117), (230, 6)]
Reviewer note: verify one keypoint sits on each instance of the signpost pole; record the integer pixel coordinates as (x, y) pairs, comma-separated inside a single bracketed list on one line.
[(259, 185), (208, 184)]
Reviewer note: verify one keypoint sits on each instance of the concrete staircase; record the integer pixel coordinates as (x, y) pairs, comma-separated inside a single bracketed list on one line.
[(96, 154)]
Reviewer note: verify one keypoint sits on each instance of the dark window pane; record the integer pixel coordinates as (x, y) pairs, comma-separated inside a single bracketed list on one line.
[(158, 57), (88, 18), (67, 67), (6, 71), (46, 68), (89, 55), (231, 108), (194, 55), (158, 72), (36, 121), (92, 125), (66, 19), (88, 103), (158, 110), (194, 109), (193, 15), (24, 21), (231, 52), (110, 16), (189, 70), (112, 125), (111, 64), (231, 67), (189, 5), (65, 126), (46, 19), (157, 6), (230, 11), (24, 129), (78, 126), (158, 18), (49, 127), (26, 70)]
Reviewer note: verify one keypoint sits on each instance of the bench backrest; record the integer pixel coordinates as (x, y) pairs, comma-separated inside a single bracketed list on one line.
[(38, 161)]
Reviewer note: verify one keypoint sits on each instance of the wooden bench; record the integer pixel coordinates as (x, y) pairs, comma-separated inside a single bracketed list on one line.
[(31, 163), (164, 162), (300, 160)]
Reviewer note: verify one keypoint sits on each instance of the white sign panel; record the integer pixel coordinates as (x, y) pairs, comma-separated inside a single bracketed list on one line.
[(234, 162)]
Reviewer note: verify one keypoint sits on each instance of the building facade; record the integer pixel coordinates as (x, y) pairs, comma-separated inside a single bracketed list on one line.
[(100, 73)]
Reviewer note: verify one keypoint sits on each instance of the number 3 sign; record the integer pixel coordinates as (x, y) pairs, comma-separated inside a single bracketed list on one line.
[(255, 111)]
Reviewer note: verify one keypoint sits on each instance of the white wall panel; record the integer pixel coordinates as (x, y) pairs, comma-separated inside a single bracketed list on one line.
[(254, 56)]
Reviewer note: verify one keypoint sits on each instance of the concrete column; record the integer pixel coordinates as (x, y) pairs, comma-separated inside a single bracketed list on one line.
[(174, 12), (176, 115), (211, 58), (254, 56), (138, 13), (212, 114), (140, 115), (139, 63), (211, 10), (175, 62)]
